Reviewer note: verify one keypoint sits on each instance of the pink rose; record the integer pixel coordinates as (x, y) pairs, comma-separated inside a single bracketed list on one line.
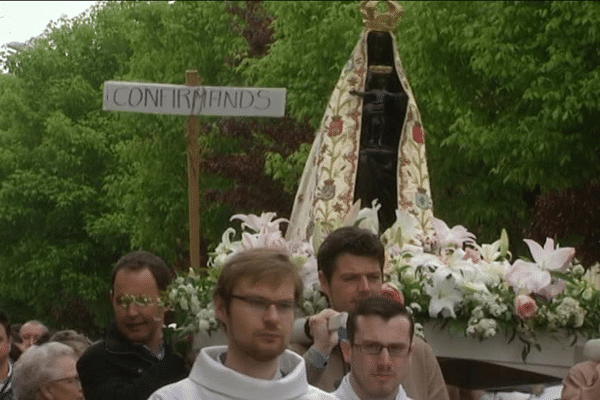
[(392, 293), (525, 306)]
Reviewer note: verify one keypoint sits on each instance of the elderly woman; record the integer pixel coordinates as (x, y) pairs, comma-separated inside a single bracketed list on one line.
[(47, 372), (71, 338)]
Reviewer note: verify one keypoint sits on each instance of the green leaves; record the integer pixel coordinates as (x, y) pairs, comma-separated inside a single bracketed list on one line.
[(507, 92)]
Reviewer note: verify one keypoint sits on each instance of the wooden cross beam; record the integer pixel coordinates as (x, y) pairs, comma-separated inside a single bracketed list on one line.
[(193, 100)]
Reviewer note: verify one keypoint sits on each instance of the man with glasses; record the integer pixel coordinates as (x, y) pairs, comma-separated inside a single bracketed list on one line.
[(378, 349), (133, 360), (350, 262), (255, 300)]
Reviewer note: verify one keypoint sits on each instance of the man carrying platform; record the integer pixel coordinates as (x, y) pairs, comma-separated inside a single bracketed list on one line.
[(350, 263)]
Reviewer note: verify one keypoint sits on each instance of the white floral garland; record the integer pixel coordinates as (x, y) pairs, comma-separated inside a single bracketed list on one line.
[(457, 281)]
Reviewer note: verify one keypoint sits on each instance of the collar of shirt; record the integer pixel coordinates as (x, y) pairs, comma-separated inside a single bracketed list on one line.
[(278, 374), (160, 354)]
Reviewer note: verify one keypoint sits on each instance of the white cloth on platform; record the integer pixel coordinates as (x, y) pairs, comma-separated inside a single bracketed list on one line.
[(550, 393), (210, 379)]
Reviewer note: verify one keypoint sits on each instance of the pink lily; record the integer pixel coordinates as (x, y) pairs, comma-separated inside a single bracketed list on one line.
[(535, 277), (456, 236)]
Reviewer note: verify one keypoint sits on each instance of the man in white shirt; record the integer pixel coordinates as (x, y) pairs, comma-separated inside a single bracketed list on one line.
[(255, 299), (378, 349)]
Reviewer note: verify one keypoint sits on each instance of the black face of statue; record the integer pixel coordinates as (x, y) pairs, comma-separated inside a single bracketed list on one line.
[(380, 82), (380, 48)]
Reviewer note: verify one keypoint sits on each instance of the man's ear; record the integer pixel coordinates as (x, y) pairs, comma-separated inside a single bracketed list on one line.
[(325, 288), (412, 349), (346, 350), (221, 309)]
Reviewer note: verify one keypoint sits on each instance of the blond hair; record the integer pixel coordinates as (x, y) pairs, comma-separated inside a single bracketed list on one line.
[(260, 264)]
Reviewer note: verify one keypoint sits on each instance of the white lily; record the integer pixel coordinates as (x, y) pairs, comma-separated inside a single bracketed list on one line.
[(489, 252), (311, 274), (263, 223), (495, 271), (352, 214), (226, 244), (367, 217), (473, 278), (548, 257), (426, 260), (444, 292), (404, 231)]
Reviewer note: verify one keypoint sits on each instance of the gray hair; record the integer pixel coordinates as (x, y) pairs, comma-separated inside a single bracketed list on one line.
[(35, 368), (71, 338)]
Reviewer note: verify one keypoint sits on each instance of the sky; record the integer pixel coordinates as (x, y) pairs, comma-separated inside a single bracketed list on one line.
[(21, 20)]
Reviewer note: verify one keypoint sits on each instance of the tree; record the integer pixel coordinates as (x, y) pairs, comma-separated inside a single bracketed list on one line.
[(55, 153), (506, 91), (508, 87)]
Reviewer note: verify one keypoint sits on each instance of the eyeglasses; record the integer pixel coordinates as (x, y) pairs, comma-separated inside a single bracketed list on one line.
[(128, 300), (260, 304), (374, 349)]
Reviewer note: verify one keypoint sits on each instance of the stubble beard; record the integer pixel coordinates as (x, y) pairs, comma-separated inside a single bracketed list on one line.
[(260, 352)]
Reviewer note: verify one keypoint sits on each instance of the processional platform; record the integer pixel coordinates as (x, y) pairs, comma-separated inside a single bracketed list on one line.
[(494, 364)]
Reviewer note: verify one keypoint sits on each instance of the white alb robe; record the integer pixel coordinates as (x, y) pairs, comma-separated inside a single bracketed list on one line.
[(210, 379)]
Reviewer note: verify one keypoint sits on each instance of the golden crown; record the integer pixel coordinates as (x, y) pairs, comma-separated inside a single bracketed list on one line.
[(381, 21)]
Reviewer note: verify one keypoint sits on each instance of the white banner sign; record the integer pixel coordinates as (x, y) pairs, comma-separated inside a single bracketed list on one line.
[(155, 98)]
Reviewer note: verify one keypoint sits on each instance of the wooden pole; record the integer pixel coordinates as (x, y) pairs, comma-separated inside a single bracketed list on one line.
[(192, 130)]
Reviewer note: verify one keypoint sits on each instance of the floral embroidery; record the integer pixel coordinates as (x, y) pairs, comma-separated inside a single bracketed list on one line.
[(328, 190), (418, 134), (422, 200), (336, 126)]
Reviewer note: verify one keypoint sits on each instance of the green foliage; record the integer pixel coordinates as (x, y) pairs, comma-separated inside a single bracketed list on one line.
[(505, 89), (288, 170), (313, 41), (54, 154), (504, 86), (148, 186), (507, 92)]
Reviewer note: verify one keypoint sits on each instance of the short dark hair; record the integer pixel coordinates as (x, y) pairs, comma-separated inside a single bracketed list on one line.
[(5, 322), (258, 264), (379, 306), (140, 259), (352, 240)]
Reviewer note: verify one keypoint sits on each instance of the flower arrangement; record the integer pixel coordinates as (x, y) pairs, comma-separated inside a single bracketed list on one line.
[(474, 289), (190, 296)]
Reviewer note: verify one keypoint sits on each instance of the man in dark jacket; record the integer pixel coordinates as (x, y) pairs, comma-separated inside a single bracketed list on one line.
[(133, 360)]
